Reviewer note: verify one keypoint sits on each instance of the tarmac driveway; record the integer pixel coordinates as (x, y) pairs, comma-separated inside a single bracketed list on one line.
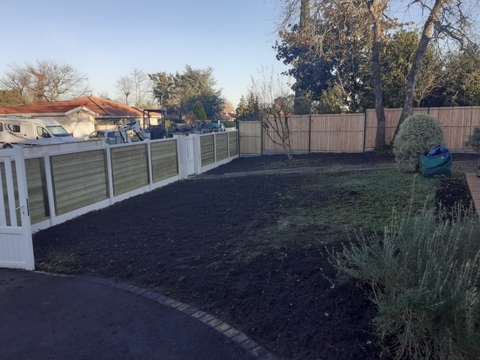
[(53, 317)]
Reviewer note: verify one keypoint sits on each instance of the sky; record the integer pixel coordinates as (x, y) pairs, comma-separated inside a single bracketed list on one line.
[(107, 39)]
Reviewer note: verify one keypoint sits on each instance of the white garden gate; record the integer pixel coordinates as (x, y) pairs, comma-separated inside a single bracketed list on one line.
[(16, 248)]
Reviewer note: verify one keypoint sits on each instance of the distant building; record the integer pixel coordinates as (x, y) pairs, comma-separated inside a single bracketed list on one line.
[(81, 116)]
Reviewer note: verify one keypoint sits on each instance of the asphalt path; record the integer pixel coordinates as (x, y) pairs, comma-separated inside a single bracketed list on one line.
[(57, 317)]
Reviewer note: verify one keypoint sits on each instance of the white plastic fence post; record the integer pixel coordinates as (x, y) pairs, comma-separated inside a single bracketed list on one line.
[(182, 156)]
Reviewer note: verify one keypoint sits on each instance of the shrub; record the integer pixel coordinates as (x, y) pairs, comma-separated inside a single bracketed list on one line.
[(424, 276), (229, 124), (473, 140), (417, 135)]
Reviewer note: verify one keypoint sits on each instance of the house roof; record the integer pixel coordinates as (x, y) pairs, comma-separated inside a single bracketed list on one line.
[(102, 108)]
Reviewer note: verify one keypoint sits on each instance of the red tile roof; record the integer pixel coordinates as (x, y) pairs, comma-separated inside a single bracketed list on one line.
[(104, 108)]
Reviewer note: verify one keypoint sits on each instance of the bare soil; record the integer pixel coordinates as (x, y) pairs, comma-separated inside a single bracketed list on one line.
[(205, 242)]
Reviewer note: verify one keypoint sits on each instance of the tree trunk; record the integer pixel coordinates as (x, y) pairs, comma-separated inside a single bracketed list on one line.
[(304, 14), (377, 77), (417, 61)]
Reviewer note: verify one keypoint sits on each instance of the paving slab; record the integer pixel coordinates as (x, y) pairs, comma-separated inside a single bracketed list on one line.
[(473, 182)]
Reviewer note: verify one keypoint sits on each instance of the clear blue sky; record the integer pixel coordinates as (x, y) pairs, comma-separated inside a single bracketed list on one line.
[(106, 39)]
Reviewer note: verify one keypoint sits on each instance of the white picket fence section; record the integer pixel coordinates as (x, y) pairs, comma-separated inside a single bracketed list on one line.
[(16, 249)]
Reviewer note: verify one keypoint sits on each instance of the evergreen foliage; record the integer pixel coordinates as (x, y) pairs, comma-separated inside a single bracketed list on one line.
[(199, 112), (462, 80), (179, 92), (417, 135), (396, 60), (473, 140), (248, 110)]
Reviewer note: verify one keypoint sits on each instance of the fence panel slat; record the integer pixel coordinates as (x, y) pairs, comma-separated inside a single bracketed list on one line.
[(70, 193), (129, 167), (164, 160), (207, 150)]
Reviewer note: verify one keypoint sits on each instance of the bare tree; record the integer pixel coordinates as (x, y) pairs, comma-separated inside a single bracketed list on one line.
[(275, 100), (139, 86), (124, 86), (103, 95), (46, 80), (143, 88)]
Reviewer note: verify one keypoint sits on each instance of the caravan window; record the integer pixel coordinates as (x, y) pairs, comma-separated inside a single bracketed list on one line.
[(42, 132), (13, 128), (1, 127)]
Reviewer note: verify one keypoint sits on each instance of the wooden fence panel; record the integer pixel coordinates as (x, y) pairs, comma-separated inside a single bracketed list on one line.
[(232, 143), (457, 123), (391, 119), (129, 168), (37, 193), (221, 146), (207, 150), (250, 137), (299, 126), (164, 160), (271, 141), (299, 129), (71, 193), (340, 132)]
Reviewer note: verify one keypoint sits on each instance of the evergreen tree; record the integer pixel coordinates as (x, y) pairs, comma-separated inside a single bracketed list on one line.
[(249, 109), (462, 80), (240, 110), (198, 111), (182, 90)]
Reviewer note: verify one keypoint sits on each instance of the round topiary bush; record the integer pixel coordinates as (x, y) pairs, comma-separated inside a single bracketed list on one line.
[(417, 135)]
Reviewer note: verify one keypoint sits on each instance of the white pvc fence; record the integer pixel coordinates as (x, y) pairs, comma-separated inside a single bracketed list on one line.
[(69, 183), (16, 250)]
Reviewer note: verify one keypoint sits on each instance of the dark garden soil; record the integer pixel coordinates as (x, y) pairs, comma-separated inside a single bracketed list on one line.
[(206, 243)]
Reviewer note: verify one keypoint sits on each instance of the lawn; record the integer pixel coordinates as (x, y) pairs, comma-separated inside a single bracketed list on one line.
[(252, 250)]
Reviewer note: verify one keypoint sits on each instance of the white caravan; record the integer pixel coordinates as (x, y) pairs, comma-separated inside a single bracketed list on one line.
[(31, 132)]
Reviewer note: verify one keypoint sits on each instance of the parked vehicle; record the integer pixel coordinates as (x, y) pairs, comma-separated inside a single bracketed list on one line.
[(26, 131), (200, 127), (132, 132), (110, 137)]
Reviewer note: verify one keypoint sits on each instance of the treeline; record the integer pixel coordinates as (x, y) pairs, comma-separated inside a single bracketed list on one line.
[(338, 78), (190, 94)]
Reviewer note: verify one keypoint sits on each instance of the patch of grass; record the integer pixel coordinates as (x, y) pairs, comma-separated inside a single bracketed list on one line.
[(286, 164), (459, 170), (353, 200)]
